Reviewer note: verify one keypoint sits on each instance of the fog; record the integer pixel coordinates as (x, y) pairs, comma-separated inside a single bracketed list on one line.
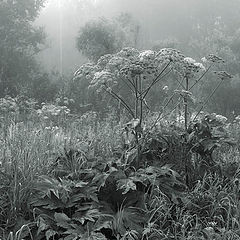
[(119, 119), (158, 19), (44, 42)]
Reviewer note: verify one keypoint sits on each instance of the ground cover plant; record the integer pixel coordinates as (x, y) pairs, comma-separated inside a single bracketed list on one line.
[(127, 174)]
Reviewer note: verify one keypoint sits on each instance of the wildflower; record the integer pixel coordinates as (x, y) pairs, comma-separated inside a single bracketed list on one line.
[(237, 118), (85, 71), (101, 77), (213, 224), (200, 66), (223, 74), (133, 123), (102, 62), (189, 60), (165, 88), (209, 229), (147, 55), (215, 59), (169, 54), (128, 52), (58, 100), (221, 119)]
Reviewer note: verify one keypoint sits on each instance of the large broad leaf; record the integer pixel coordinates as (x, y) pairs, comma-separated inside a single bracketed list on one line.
[(168, 181), (109, 192), (42, 225), (100, 179), (104, 221), (62, 220), (47, 203), (93, 236), (75, 231), (47, 185), (209, 145), (89, 215)]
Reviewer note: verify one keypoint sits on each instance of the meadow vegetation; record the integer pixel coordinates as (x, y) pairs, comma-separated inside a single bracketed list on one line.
[(128, 173), (135, 145)]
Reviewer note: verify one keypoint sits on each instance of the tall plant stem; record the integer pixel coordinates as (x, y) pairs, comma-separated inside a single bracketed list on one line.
[(145, 92), (125, 105), (186, 105), (141, 100), (136, 97), (200, 78), (208, 98)]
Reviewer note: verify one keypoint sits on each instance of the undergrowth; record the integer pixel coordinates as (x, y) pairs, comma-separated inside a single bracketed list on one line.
[(79, 180)]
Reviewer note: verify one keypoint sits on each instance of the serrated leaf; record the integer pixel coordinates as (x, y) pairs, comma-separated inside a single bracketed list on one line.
[(42, 225), (89, 215), (62, 220), (94, 236), (104, 221)]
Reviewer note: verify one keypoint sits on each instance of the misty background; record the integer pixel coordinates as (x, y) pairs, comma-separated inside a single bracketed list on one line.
[(44, 48), (158, 20)]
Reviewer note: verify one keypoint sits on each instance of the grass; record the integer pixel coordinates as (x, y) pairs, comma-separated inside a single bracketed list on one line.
[(29, 149)]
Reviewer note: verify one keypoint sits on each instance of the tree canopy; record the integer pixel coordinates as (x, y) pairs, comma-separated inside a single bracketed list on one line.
[(19, 42)]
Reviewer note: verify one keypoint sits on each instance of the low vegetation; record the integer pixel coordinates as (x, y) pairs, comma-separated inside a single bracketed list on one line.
[(130, 173)]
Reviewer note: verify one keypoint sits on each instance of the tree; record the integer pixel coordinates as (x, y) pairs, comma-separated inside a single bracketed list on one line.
[(102, 36), (20, 41), (97, 38)]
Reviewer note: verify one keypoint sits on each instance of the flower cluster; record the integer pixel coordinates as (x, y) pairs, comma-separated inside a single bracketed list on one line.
[(86, 71), (215, 119), (116, 63), (221, 119), (223, 75), (25, 104), (103, 60), (127, 63), (8, 105), (188, 67), (169, 54), (213, 58), (64, 101), (129, 53), (147, 56), (186, 95), (102, 79), (49, 111), (192, 63), (133, 69)]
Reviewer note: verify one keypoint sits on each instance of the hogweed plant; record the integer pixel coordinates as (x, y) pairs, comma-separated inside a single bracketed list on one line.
[(140, 72)]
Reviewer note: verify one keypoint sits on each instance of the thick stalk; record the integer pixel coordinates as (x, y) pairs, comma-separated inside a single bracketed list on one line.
[(207, 99), (114, 95), (201, 77), (136, 97), (141, 101), (156, 80), (186, 104)]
